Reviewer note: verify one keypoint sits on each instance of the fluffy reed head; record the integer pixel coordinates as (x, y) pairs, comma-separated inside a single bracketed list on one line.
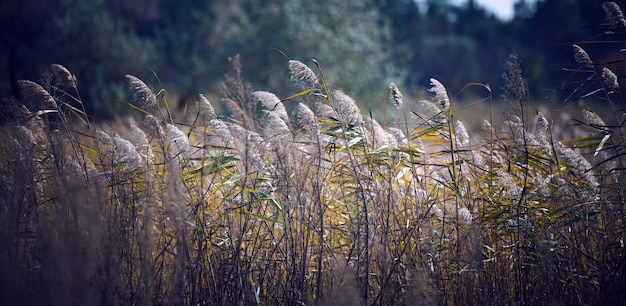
[(395, 94), (304, 117), (542, 122), (594, 121), (614, 15), (35, 95), (347, 110), (272, 103), (465, 216), (401, 139), (302, 75), (581, 56), (274, 125), (142, 94), (462, 136), (430, 111), (441, 95), (205, 108), (236, 112), (219, 134), (178, 140), (127, 154), (153, 126), (610, 79), (63, 76)]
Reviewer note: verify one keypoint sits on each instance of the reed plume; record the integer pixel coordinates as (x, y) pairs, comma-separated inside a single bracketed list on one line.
[(205, 108), (142, 94), (581, 56), (35, 95), (63, 76), (614, 15), (303, 77), (441, 95), (395, 95)]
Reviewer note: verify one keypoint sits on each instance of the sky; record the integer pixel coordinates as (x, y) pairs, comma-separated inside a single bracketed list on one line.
[(503, 9)]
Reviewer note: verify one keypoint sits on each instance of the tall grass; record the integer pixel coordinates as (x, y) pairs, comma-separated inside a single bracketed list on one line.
[(320, 206)]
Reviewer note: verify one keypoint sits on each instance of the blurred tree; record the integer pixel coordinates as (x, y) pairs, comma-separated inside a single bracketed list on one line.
[(361, 44), (100, 50), (543, 40), (80, 34), (456, 45), (345, 36), (183, 42), (22, 22)]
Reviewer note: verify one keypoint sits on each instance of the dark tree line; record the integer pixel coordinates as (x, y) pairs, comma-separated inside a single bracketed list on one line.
[(183, 45)]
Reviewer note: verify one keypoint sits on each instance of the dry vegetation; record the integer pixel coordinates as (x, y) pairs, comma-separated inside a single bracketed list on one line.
[(320, 205)]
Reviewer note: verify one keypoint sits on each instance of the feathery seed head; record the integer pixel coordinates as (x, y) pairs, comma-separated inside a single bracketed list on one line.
[(510, 189), (395, 94), (581, 56), (153, 126), (272, 103), (346, 109), (381, 137), (63, 76), (105, 144), (593, 120), (428, 108), (542, 122), (578, 162), (465, 216), (141, 142), (462, 137), (235, 111), (429, 111), (323, 110), (401, 139), (243, 136), (103, 138), (177, 138), (138, 135), (142, 94), (268, 100), (542, 134), (487, 126), (35, 94), (518, 132), (610, 79), (127, 153), (302, 75), (275, 125), (614, 15), (205, 108), (441, 95), (220, 136), (305, 118)]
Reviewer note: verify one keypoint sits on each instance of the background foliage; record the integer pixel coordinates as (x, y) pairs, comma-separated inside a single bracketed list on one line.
[(187, 43)]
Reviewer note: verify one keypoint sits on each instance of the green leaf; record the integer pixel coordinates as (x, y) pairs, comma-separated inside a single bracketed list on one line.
[(302, 93), (272, 200), (233, 179), (604, 140), (352, 142)]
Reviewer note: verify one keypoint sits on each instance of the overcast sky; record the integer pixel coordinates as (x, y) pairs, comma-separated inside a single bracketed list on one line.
[(502, 8)]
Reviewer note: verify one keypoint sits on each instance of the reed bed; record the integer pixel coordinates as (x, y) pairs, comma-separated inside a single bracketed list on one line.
[(314, 203)]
